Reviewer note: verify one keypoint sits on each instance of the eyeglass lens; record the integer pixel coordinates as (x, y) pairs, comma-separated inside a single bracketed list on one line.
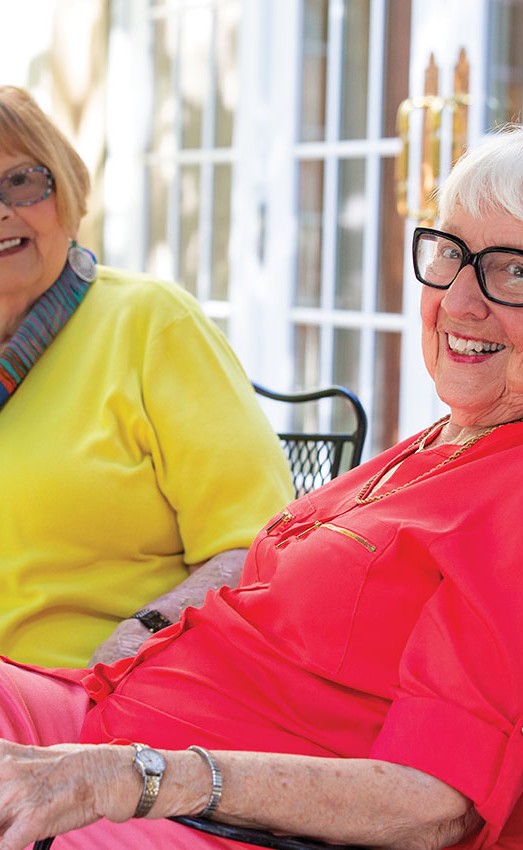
[(438, 259), (27, 186)]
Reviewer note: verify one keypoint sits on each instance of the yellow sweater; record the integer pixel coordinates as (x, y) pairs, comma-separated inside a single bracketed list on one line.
[(135, 443)]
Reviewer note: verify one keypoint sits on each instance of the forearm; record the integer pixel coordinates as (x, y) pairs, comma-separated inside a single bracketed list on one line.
[(349, 801), (223, 569)]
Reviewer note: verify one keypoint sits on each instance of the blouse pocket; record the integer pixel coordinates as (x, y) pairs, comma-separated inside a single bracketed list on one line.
[(317, 579)]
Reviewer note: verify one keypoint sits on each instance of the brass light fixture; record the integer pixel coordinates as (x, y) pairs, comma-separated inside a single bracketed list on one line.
[(431, 105)]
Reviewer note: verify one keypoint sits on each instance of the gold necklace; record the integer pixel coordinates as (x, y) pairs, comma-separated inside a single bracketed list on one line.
[(430, 432), (364, 498)]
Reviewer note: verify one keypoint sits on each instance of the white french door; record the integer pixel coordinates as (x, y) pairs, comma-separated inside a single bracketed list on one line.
[(319, 277), (260, 136), (256, 155)]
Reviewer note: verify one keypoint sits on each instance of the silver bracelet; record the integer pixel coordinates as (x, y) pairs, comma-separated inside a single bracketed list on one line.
[(216, 775)]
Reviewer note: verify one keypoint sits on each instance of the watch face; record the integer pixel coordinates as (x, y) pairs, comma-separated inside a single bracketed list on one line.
[(152, 761), (152, 620)]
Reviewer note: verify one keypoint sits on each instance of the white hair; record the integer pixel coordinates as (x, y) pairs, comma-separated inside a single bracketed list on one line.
[(488, 177)]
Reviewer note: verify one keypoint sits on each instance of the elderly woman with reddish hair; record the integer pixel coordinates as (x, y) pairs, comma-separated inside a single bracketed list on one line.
[(129, 432)]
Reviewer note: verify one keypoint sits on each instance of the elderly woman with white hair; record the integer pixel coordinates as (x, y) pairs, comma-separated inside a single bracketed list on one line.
[(364, 683)]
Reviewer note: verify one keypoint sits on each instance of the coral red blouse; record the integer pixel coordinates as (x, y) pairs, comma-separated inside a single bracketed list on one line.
[(392, 630)]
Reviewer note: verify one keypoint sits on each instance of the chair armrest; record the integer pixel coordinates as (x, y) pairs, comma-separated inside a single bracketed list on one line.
[(258, 837)]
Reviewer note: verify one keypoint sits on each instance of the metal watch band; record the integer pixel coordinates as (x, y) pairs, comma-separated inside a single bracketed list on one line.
[(153, 620), (150, 765), (151, 787)]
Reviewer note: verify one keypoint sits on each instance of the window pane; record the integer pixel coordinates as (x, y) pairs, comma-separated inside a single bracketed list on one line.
[(347, 344), (164, 108), (396, 62), (189, 231), (386, 398), (505, 76), (351, 221), (390, 245), (220, 232), (347, 358), (227, 80), (314, 70), (195, 71), (355, 69), (306, 374), (306, 357), (310, 180), (159, 253)]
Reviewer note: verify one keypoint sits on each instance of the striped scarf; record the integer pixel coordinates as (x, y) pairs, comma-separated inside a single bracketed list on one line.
[(42, 323)]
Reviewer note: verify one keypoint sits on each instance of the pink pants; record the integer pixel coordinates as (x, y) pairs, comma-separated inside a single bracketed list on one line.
[(36, 709)]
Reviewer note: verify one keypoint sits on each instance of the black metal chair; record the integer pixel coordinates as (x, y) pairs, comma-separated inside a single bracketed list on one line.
[(317, 456), (256, 837)]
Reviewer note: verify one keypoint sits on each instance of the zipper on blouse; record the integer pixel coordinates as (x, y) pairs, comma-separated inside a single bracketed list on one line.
[(352, 534), (284, 518), (308, 530)]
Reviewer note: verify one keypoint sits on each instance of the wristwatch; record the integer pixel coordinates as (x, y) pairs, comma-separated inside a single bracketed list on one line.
[(150, 764), (152, 620)]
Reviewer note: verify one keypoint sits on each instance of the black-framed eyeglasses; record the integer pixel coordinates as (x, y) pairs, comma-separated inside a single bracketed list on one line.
[(26, 186), (439, 257)]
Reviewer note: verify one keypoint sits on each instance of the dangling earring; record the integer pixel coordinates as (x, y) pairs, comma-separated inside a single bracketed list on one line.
[(82, 262)]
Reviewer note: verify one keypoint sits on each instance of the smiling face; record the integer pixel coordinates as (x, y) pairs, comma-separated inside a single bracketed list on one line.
[(33, 245), (473, 348)]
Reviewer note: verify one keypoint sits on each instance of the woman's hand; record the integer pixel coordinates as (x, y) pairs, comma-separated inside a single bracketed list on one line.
[(45, 791)]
